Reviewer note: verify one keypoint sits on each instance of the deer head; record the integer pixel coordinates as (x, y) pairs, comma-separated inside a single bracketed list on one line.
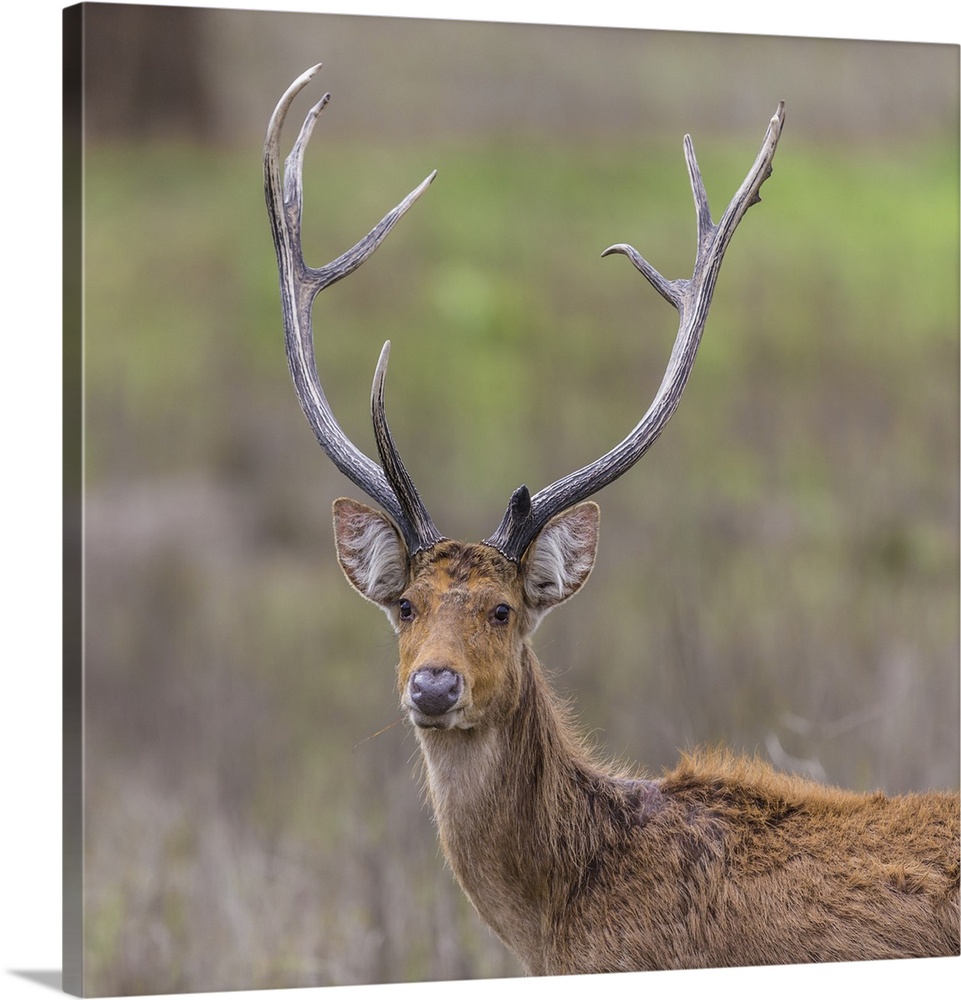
[(463, 612)]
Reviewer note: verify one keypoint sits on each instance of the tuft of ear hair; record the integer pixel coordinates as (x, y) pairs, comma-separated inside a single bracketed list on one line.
[(370, 551), (561, 557)]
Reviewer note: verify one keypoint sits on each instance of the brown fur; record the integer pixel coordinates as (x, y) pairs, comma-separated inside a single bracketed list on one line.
[(721, 861)]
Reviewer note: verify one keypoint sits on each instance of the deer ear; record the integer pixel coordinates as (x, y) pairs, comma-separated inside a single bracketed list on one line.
[(561, 557), (370, 551)]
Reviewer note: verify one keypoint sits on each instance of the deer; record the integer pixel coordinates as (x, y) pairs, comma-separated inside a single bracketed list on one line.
[(578, 866)]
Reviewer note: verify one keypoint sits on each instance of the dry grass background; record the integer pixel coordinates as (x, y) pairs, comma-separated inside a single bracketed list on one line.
[(780, 573)]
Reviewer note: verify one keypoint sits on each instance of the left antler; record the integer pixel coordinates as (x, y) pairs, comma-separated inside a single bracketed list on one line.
[(527, 514), (390, 486)]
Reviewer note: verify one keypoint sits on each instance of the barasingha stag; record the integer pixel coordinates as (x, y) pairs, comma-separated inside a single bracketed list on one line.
[(722, 860)]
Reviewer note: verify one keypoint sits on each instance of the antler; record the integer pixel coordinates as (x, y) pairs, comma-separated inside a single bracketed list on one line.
[(526, 515), (390, 486)]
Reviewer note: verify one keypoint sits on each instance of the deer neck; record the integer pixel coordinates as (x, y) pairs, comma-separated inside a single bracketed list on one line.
[(514, 803)]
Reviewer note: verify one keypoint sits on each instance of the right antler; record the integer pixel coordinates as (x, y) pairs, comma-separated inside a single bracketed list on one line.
[(390, 486), (526, 515)]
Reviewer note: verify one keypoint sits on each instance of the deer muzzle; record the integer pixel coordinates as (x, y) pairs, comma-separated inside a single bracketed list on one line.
[(432, 693)]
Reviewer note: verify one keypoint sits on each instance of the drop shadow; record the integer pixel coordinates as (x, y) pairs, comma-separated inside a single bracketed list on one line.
[(53, 978)]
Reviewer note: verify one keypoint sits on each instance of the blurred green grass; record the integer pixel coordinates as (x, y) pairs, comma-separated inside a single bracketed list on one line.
[(779, 573), (852, 260)]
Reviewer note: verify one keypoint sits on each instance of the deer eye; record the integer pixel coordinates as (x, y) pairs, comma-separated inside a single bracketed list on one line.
[(501, 613), (406, 609)]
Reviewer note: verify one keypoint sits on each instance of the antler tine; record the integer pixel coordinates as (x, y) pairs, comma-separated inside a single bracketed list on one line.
[(424, 534), (526, 515), (299, 285)]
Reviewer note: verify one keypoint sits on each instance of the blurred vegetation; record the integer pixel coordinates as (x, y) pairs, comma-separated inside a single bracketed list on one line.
[(780, 573)]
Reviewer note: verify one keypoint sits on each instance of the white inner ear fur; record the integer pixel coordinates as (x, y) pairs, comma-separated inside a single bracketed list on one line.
[(371, 553), (561, 557)]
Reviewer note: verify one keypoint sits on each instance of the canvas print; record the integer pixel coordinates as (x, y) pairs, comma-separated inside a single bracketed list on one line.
[(320, 728)]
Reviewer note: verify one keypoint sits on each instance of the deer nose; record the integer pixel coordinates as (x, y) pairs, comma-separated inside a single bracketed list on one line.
[(435, 690)]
